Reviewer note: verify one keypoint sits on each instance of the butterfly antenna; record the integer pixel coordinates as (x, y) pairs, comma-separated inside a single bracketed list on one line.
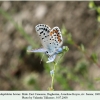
[(41, 58)]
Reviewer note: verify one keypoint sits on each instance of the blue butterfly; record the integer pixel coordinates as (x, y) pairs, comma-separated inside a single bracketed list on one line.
[(51, 40)]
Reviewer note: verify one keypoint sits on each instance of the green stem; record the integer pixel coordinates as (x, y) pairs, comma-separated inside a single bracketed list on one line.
[(54, 69), (52, 83)]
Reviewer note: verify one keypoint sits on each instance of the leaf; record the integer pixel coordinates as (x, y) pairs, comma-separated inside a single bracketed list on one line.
[(98, 10), (65, 48), (98, 18), (94, 57), (63, 30), (91, 4), (82, 47)]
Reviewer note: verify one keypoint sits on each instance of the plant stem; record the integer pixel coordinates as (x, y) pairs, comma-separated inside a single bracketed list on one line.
[(54, 69), (52, 83)]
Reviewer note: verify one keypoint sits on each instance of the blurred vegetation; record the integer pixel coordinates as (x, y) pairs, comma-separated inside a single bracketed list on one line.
[(65, 75), (93, 6)]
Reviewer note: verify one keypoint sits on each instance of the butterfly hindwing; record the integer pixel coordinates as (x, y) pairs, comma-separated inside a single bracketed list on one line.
[(55, 39)]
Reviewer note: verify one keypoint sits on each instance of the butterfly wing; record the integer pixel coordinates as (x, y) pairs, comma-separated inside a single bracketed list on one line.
[(50, 39), (43, 32), (37, 50), (56, 40)]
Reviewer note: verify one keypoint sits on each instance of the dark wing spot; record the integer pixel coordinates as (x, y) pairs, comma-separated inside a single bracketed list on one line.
[(46, 51), (41, 28), (45, 29), (37, 30), (41, 25), (42, 38), (41, 32)]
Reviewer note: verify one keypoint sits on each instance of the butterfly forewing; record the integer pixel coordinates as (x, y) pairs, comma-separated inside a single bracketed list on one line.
[(43, 32)]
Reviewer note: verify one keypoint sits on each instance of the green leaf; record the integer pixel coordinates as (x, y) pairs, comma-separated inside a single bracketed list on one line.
[(69, 39), (63, 30), (65, 48), (91, 4), (94, 57), (98, 9), (82, 47), (98, 18)]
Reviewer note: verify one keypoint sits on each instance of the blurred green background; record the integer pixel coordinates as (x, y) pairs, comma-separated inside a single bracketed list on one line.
[(79, 68)]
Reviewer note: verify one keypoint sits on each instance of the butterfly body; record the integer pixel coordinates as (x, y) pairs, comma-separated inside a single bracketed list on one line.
[(51, 40)]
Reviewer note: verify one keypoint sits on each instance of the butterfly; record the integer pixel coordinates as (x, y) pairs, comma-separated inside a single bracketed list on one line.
[(51, 40)]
